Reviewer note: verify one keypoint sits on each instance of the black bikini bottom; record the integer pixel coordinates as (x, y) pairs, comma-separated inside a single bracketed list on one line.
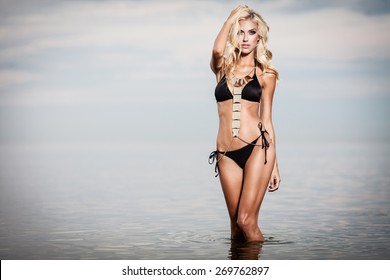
[(239, 156), (242, 155)]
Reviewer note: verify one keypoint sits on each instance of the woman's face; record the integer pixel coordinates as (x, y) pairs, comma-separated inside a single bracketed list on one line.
[(247, 36)]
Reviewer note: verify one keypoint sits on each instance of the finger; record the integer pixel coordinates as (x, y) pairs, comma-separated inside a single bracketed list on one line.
[(241, 7), (271, 185), (272, 189), (274, 185), (236, 11), (277, 183)]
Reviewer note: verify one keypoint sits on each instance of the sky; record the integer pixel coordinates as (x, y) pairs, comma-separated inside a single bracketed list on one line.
[(103, 71)]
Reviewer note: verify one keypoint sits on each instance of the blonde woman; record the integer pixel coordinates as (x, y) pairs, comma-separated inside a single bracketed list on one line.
[(245, 159)]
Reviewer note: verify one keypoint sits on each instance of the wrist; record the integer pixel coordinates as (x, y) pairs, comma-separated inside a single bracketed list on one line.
[(229, 22)]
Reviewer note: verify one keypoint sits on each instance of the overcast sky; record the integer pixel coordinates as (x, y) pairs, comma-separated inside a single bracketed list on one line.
[(103, 71)]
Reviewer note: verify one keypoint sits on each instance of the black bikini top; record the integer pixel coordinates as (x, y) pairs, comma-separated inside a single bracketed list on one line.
[(250, 92)]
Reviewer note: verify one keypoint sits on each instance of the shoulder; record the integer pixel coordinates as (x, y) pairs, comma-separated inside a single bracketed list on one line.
[(271, 71), (269, 78)]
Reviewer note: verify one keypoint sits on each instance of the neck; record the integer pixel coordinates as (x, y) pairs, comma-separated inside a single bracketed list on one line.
[(246, 60)]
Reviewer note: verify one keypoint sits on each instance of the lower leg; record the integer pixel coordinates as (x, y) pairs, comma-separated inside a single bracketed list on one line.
[(235, 230)]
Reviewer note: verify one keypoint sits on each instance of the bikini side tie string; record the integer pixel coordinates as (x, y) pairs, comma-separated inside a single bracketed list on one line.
[(214, 157), (264, 141)]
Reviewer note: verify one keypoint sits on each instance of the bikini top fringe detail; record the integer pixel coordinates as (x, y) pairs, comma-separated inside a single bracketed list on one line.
[(236, 111), (238, 85)]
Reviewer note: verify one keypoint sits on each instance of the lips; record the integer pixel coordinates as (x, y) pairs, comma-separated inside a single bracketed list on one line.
[(245, 46)]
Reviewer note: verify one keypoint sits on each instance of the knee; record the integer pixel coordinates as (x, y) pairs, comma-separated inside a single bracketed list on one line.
[(246, 222)]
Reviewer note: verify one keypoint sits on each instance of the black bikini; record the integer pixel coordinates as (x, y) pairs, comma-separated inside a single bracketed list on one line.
[(250, 92)]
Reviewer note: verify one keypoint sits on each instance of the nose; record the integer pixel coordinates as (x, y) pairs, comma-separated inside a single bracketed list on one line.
[(245, 38)]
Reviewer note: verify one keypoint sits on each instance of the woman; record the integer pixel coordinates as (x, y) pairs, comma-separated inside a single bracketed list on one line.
[(246, 153)]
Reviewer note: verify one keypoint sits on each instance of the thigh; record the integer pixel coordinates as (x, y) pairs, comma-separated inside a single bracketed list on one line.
[(230, 175), (256, 179)]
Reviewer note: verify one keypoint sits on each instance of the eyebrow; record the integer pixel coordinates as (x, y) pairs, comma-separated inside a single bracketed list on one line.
[(253, 29)]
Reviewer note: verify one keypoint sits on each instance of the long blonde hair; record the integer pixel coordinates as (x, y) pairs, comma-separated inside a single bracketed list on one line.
[(263, 56)]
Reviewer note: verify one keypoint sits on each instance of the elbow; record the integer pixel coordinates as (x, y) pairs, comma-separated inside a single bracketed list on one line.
[(218, 52)]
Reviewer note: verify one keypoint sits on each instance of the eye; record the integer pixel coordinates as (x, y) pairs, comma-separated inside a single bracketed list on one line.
[(252, 32), (240, 32)]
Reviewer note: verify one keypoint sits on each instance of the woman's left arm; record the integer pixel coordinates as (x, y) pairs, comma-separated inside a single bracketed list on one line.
[(268, 90)]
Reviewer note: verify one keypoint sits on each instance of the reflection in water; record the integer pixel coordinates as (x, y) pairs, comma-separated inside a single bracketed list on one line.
[(242, 250)]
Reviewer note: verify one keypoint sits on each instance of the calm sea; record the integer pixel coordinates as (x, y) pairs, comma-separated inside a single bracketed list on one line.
[(161, 201)]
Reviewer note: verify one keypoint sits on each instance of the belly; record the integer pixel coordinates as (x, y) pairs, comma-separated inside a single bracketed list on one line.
[(248, 131)]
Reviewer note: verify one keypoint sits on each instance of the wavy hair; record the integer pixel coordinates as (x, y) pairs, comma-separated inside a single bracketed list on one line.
[(263, 56)]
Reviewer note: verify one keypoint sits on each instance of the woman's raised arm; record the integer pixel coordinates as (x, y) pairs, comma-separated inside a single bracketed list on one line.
[(220, 42)]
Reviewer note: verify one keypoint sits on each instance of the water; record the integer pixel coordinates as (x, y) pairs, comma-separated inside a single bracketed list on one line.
[(161, 201)]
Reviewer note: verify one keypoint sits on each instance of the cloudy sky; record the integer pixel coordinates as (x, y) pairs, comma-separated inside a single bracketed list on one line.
[(119, 71)]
